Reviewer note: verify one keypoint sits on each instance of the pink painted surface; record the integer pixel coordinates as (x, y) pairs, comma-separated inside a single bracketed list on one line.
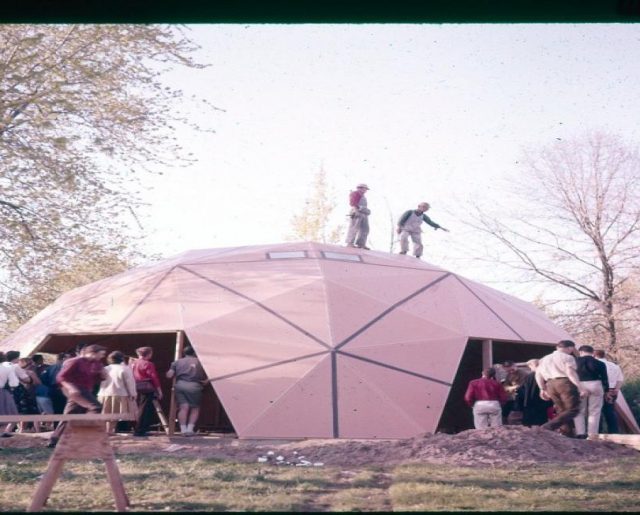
[(304, 409), (264, 329), (249, 397), (529, 322), (365, 408), (433, 358)]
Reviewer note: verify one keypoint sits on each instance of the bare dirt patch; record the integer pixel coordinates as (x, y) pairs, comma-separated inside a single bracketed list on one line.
[(507, 445)]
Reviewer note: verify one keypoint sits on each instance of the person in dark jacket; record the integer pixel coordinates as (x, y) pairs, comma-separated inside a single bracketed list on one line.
[(409, 226), (594, 380), (486, 396), (534, 409)]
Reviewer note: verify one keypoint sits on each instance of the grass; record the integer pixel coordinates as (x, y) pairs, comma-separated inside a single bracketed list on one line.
[(188, 484)]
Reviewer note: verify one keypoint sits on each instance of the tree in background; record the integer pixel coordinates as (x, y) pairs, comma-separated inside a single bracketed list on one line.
[(89, 264), (312, 222), (82, 113), (575, 230)]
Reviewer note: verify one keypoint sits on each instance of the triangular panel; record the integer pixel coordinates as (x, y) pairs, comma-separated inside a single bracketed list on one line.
[(418, 400), (304, 411), (365, 410), (401, 325), (437, 359), (158, 311), (252, 337), (531, 324)]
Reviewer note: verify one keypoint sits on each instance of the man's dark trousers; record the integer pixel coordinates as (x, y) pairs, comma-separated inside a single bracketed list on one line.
[(566, 399)]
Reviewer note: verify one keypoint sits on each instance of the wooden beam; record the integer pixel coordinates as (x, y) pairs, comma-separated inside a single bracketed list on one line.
[(172, 405), (632, 441), (487, 353), (88, 417)]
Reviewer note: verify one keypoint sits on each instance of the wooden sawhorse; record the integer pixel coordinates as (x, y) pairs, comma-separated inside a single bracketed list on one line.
[(84, 438)]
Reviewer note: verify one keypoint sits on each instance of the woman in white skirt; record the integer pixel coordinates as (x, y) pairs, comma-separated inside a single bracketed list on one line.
[(8, 379), (118, 391)]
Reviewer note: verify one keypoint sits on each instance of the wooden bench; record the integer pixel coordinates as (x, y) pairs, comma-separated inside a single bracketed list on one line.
[(632, 441), (84, 437)]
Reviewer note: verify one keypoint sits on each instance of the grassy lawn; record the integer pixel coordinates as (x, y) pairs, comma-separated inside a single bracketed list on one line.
[(186, 484)]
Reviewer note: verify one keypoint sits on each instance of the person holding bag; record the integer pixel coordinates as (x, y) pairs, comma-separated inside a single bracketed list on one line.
[(147, 388)]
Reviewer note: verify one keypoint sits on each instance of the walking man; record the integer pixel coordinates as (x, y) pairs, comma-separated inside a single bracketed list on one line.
[(78, 378), (593, 378), (486, 396), (359, 215), (616, 378), (557, 378), (409, 227)]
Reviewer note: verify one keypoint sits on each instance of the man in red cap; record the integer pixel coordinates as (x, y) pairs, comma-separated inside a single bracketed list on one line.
[(359, 214)]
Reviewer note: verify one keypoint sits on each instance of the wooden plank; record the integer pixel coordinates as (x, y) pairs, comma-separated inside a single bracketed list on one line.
[(172, 405), (632, 441), (487, 353), (88, 417), (47, 482), (160, 413), (626, 415), (82, 439)]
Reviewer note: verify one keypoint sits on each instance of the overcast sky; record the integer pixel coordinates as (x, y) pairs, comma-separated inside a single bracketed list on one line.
[(435, 113)]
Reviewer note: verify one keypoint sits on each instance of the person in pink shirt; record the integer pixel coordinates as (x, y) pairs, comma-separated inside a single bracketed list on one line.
[(77, 378), (486, 396), (148, 388), (359, 213)]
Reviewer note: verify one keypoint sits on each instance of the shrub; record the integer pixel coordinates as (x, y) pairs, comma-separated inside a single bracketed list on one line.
[(631, 392)]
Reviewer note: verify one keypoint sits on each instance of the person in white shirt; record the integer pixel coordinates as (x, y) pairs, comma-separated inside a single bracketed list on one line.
[(558, 380), (117, 392), (11, 362), (8, 379), (616, 378)]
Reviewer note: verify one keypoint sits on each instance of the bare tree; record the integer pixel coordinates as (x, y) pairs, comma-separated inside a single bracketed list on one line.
[(573, 227), (312, 223)]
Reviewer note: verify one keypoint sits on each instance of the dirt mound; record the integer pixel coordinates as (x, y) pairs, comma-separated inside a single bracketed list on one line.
[(506, 445)]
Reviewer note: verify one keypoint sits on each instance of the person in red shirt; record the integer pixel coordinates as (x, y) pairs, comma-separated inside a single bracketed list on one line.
[(148, 388), (359, 214), (486, 396), (77, 379)]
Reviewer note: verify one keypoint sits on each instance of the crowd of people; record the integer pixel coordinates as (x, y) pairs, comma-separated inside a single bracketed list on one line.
[(79, 382), (409, 224), (571, 392), (566, 391)]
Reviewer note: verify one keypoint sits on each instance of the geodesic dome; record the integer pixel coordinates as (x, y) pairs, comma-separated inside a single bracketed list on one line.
[(305, 339)]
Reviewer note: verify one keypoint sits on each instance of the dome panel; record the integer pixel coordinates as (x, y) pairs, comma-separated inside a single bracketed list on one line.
[(529, 322), (437, 359), (364, 408), (303, 411)]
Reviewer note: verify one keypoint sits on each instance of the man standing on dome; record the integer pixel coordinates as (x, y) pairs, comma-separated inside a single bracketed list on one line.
[(359, 215), (409, 227)]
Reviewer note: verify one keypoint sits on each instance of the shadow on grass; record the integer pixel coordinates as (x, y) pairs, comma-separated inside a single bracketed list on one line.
[(501, 484)]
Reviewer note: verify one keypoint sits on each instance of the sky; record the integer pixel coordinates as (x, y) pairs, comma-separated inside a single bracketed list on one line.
[(425, 112)]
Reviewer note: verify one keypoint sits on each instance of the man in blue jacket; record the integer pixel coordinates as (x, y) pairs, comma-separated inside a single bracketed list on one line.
[(409, 227)]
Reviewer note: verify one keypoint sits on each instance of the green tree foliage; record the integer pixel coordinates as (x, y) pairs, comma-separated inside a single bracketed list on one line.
[(83, 115), (312, 223)]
